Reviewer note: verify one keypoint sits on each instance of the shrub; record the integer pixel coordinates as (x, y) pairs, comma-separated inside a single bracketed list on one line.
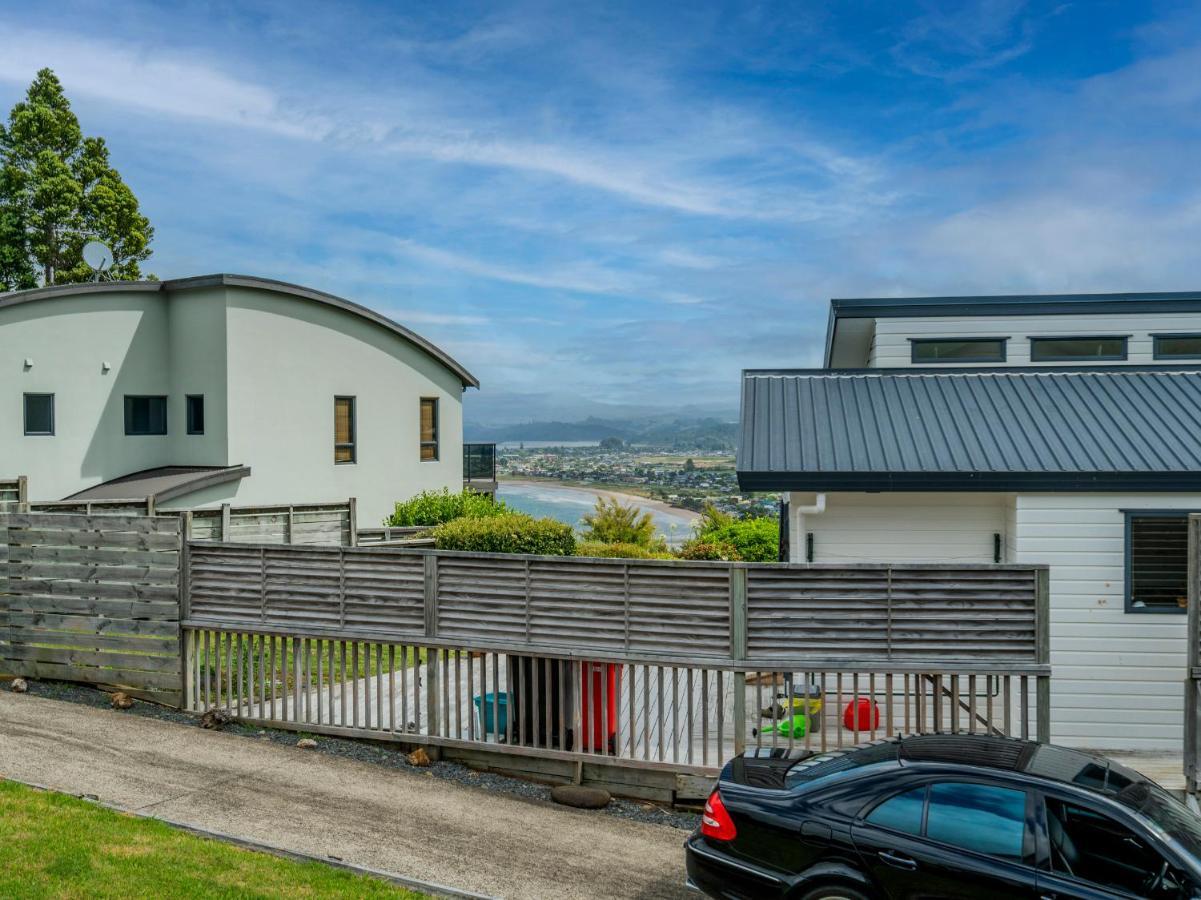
[(436, 507), (755, 540), (620, 551), (612, 522), (507, 533), (712, 519), (704, 549)]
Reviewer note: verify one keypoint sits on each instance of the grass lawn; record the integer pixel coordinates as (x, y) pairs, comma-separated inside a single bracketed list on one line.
[(56, 846)]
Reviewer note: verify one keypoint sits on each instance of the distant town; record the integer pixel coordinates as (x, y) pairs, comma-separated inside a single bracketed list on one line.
[(688, 480)]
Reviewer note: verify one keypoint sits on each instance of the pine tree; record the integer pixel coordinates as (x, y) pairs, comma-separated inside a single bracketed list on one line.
[(58, 190)]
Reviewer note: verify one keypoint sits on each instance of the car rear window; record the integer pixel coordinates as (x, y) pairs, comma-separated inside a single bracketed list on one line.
[(827, 765)]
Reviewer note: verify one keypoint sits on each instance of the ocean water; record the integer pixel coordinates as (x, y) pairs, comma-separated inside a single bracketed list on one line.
[(571, 504)]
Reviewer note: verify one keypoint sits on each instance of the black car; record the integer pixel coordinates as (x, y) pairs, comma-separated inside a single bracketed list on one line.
[(942, 816)]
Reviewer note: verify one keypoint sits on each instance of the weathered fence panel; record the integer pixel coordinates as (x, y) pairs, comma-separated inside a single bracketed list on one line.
[(13, 494), (92, 599), (664, 667)]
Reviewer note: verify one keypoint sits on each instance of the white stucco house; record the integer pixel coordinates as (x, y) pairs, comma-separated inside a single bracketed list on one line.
[(223, 388), (1061, 430)]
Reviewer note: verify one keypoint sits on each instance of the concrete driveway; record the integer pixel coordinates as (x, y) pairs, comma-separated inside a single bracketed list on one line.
[(416, 827)]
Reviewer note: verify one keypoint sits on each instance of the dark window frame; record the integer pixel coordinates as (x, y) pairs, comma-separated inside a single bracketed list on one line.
[(353, 444), (128, 429), (436, 442), (188, 410), (25, 413), (1127, 542), (1156, 338), (1035, 338), (914, 343)]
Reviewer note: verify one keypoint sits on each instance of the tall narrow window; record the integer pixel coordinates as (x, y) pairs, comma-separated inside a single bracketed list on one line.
[(195, 413), (344, 428), (429, 428), (39, 414), (145, 415), (1156, 561)]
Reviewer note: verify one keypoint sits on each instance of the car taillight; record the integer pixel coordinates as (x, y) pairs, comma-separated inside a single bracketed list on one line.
[(715, 821)]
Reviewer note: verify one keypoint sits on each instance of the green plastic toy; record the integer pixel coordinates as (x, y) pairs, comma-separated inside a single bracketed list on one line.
[(794, 726)]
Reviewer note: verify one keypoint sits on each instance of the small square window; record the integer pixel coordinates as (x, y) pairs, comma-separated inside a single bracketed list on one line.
[(145, 415), (195, 413), (429, 429), (344, 430), (39, 414)]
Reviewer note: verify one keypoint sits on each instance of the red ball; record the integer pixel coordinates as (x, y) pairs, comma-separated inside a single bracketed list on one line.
[(865, 711)]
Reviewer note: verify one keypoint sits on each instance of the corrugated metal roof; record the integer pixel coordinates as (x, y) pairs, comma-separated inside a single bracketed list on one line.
[(1014, 429)]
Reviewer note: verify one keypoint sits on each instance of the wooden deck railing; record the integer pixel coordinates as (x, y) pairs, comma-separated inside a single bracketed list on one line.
[(14, 494), (653, 665)]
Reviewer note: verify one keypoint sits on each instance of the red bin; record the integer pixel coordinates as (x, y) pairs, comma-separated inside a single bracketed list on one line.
[(598, 706)]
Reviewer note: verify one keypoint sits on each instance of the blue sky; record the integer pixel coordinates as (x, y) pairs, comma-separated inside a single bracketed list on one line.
[(606, 207)]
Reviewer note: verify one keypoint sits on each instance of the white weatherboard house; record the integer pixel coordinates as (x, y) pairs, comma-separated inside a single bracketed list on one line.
[(223, 388), (1062, 430)]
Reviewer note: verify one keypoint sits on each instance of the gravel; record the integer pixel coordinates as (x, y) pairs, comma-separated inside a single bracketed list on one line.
[(388, 756)]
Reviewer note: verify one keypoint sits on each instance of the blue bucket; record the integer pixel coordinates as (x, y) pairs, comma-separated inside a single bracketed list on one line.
[(483, 706)]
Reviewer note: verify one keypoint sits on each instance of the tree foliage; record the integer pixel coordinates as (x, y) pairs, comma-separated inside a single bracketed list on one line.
[(58, 190), (613, 522)]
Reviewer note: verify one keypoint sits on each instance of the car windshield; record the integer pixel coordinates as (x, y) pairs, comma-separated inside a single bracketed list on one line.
[(1166, 812), (826, 765)]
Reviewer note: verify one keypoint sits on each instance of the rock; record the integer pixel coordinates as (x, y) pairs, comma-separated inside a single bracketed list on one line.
[(121, 700), (214, 718), (419, 758), (19, 686), (580, 797), (306, 744)]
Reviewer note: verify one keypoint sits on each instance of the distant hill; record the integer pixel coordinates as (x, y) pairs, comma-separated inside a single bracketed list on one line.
[(658, 431)]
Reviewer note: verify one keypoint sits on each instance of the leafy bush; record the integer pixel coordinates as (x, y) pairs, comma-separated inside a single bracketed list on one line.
[(704, 549), (712, 519), (756, 540), (612, 522), (436, 507), (620, 551), (506, 533)]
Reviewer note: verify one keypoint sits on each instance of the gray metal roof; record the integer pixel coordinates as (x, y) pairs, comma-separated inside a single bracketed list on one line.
[(1013, 429), (249, 281), (163, 483)]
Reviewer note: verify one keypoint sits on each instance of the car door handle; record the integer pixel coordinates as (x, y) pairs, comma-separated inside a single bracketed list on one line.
[(897, 860)]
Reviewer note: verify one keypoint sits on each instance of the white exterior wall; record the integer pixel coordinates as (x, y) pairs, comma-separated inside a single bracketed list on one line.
[(269, 366), (1117, 677), (900, 527), (287, 360), (890, 347), (68, 340)]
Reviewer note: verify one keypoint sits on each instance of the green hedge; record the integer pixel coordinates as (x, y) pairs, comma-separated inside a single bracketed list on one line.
[(620, 550), (756, 540), (704, 549), (436, 507), (507, 533)]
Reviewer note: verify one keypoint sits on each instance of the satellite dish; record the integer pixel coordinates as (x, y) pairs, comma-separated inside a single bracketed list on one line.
[(97, 256)]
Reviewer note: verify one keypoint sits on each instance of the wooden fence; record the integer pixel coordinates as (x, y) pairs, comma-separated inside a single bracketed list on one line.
[(92, 599), (297, 523), (14, 494), (641, 672)]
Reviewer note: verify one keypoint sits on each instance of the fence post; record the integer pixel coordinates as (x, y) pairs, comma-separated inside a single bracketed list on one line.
[(185, 609), (353, 514), (290, 524), (1042, 639), (431, 630), (224, 522), (738, 651), (1192, 694), (22, 493)]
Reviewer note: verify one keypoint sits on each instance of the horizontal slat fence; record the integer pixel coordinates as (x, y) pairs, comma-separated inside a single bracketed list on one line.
[(92, 599), (13, 494), (686, 660)]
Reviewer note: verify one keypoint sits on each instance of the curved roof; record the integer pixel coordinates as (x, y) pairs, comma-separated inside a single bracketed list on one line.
[(248, 281)]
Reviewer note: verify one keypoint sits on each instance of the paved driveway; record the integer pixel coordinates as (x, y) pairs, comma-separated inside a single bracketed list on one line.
[(417, 827)]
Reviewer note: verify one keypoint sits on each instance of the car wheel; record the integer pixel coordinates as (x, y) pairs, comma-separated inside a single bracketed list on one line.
[(835, 892)]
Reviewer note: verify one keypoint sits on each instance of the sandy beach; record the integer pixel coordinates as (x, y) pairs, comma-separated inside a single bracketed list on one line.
[(622, 496)]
